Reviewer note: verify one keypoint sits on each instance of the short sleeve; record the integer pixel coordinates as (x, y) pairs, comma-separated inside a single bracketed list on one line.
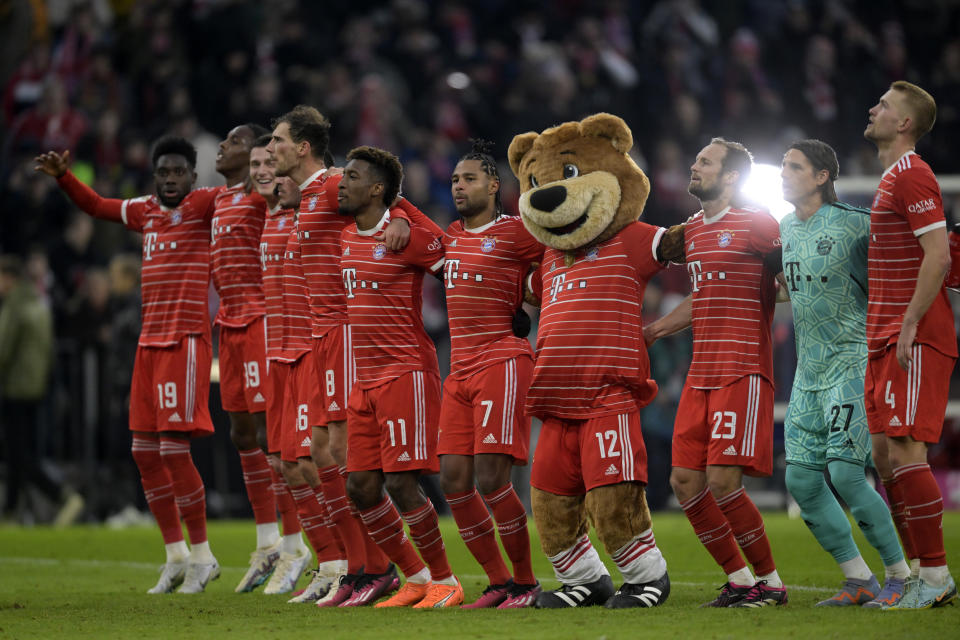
[(917, 196), (425, 250), (764, 234), (642, 241), (132, 212)]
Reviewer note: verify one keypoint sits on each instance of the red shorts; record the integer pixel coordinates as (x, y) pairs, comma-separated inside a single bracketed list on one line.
[(301, 406), (393, 427), (276, 396), (483, 413), (573, 457), (893, 396), (171, 387), (732, 425), (243, 367), (333, 357)]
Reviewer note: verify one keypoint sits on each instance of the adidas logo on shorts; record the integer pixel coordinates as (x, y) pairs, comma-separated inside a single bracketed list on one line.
[(403, 457), (259, 397), (306, 442), (730, 451), (489, 439), (333, 406), (175, 417), (895, 422), (611, 470)]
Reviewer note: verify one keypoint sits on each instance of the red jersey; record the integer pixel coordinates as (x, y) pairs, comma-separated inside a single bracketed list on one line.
[(907, 205), (320, 224), (733, 295), (296, 302), (591, 357), (273, 248), (383, 291), (175, 274), (484, 272), (234, 256)]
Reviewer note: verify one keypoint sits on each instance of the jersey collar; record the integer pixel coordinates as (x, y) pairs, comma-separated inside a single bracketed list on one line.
[(481, 228), (306, 183), (378, 228), (897, 161), (715, 218)]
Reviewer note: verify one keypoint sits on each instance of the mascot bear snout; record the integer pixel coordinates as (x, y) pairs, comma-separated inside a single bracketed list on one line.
[(548, 198)]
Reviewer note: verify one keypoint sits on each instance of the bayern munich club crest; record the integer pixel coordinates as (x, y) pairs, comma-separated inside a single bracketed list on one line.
[(724, 238), (593, 254), (176, 217), (237, 197), (488, 245), (281, 223), (312, 203), (379, 251)]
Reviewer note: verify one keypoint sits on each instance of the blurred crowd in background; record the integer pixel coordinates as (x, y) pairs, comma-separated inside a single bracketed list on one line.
[(104, 78)]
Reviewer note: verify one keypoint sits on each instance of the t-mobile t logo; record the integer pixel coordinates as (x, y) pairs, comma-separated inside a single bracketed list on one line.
[(695, 270), (349, 281), (149, 244), (453, 270), (556, 285)]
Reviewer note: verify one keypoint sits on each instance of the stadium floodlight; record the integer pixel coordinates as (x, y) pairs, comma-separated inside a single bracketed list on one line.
[(763, 187)]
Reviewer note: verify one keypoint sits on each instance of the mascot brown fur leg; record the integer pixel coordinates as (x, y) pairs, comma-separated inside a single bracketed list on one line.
[(619, 512), (560, 520)]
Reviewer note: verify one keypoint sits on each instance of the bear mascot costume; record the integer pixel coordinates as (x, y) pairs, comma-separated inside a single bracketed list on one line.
[(581, 196)]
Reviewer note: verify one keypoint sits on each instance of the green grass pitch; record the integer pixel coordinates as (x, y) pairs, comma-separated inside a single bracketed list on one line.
[(89, 582)]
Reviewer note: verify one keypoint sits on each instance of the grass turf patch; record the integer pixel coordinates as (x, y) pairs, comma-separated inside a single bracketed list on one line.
[(89, 581)]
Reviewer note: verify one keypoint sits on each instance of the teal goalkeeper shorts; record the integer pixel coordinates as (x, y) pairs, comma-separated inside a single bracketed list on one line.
[(828, 424)]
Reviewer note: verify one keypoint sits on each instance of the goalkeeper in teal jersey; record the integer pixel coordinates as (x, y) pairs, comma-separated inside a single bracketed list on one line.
[(825, 272)]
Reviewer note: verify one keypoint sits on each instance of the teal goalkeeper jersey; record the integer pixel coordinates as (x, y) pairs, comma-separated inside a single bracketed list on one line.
[(825, 265)]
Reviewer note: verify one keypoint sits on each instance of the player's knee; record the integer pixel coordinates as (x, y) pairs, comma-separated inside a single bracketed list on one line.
[(291, 473), (405, 490), (262, 439), (454, 478), (848, 479), (364, 489), (243, 431), (146, 455), (685, 483), (493, 474), (805, 485)]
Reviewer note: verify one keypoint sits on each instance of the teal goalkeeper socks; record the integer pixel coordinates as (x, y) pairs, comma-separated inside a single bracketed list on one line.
[(868, 509), (821, 512)]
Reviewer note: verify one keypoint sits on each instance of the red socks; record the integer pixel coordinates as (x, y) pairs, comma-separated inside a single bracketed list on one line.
[(511, 520), (157, 487), (476, 529), (187, 486), (713, 530), (425, 531), (895, 498), (257, 478), (289, 519), (313, 519), (923, 511), (349, 528), (386, 529), (747, 526)]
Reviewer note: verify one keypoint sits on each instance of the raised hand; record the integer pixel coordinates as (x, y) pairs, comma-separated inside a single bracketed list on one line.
[(52, 163)]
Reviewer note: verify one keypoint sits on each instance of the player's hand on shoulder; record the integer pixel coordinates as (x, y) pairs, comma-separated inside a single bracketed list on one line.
[(397, 234), (672, 246), (52, 163), (334, 171)]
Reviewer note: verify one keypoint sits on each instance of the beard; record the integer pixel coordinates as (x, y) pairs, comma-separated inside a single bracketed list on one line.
[(347, 210), (704, 194), (471, 208)]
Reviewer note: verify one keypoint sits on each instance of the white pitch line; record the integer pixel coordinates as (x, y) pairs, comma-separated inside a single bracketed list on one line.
[(153, 566)]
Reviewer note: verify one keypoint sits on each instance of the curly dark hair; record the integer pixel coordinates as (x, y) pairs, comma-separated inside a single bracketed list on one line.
[(385, 166), (174, 145)]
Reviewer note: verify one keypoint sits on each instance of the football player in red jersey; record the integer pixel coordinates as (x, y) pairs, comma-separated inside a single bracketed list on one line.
[(484, 428), (724, 425), (235, 269), (394, 405), (911, 344), (171, 374)]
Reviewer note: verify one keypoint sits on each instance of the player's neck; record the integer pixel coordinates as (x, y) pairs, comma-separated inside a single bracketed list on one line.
[(808, 206), (713, 208), (237, 177), (369, 217), (308, 167), (479, 219), (272, 201), (890, 152)]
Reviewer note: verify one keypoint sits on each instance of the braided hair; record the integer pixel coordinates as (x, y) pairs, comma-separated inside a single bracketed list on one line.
[(482, 151)]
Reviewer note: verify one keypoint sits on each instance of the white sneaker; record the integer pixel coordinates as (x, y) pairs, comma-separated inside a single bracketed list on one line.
[(324, 577), (287, 572), (262, 563), (198, 575), (171, 576)]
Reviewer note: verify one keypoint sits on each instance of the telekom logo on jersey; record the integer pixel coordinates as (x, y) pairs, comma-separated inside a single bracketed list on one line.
[(149, 244)]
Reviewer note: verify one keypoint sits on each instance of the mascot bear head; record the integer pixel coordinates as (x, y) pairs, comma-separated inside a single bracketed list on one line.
[(579, 187)]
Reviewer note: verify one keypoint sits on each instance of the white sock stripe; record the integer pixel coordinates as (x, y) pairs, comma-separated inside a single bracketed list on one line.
[(499, 495), (899, 471), (695, 499), (925, 504), (733, 495), (932, 515)]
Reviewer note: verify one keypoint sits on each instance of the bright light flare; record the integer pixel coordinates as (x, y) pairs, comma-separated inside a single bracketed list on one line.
[(763, 186)]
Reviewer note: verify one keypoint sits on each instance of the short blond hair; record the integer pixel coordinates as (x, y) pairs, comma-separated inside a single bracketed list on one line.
[(922, 106)]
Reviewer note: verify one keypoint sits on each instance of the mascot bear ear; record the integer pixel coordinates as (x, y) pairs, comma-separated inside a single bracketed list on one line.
[(519, 147), (606, 125)]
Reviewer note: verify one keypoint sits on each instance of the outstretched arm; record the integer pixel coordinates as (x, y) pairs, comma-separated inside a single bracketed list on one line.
[(55, 165), (675, 321)]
